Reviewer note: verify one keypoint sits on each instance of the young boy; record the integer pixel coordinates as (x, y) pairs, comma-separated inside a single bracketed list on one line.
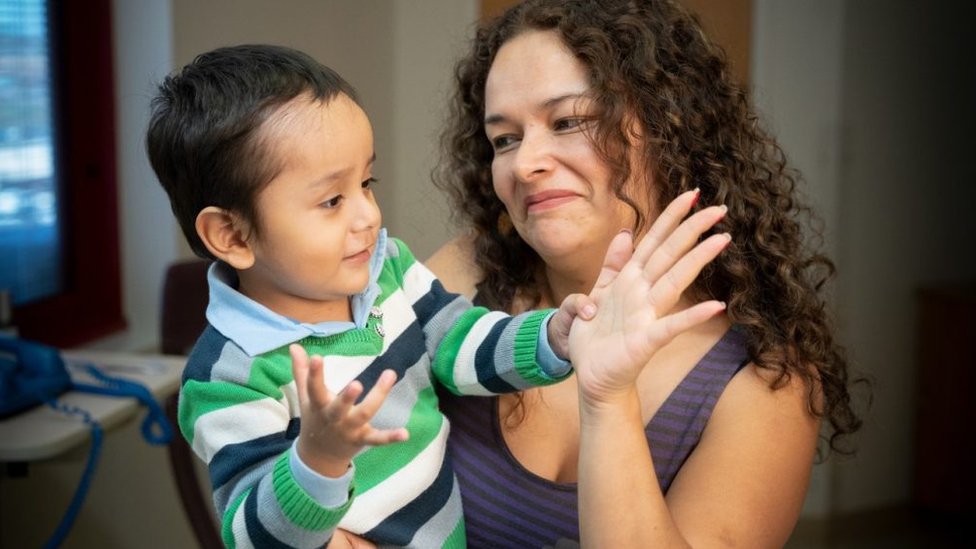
[(268, 161)]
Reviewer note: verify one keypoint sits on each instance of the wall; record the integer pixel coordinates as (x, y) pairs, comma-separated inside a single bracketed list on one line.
[(430, 34), (907, 186), (796, 71), (868, 100), (142, 43)]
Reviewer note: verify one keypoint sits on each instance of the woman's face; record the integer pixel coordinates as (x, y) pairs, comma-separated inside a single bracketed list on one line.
[(546, 171)]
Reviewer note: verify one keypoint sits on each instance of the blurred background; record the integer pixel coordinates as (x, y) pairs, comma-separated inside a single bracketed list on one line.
[(871, 100)]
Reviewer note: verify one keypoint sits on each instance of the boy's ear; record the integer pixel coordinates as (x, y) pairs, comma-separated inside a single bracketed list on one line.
[(223, 234)]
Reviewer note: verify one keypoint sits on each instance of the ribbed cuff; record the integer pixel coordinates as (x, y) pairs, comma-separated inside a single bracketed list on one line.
[(298, 505)]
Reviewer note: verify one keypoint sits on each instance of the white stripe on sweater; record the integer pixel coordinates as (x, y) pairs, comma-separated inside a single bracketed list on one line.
[(238, 423), (399, 489), (465, 374)]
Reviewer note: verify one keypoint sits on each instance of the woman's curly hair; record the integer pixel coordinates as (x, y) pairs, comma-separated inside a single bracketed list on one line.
[(649, 60)]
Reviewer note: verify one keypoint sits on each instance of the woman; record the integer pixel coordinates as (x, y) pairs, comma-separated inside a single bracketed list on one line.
[(571, 120)]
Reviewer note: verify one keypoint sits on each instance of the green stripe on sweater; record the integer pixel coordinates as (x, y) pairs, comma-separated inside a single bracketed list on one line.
[(382, 461), (446, 354), (199, 399), (227, 524)]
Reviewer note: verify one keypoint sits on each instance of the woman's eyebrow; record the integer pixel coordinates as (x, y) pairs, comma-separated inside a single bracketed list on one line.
[(547, 104)]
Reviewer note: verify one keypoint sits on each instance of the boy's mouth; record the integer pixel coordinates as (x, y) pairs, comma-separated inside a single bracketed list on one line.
[(362, 255)]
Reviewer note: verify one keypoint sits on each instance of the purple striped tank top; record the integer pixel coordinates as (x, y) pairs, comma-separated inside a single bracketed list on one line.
[(505, 505)]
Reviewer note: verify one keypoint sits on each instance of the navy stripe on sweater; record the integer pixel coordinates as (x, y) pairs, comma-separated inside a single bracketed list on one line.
[(400, 527)]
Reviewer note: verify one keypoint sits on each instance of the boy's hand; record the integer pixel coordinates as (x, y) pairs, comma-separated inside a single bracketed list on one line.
[(636, 293), (334, 428), (559, 324)]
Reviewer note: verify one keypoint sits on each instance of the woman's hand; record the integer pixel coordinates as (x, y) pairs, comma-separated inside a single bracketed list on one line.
[(344, 540), (635, 294)]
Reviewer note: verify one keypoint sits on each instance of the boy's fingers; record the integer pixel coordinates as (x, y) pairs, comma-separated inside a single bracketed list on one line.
[(575, 305), (299, 367), (316, 390), (378, 437), (584, 306), (339, 407), (374, 399)]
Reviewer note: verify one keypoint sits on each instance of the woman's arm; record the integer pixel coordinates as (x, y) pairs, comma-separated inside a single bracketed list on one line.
[(743, 486), (746, 481)]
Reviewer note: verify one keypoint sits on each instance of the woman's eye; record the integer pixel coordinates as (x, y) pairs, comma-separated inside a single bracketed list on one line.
[(564, 124), (333, 202), (502, 142), (369, 182)]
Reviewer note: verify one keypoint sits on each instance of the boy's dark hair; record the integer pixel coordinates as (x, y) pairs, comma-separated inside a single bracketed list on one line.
[(203, 140)]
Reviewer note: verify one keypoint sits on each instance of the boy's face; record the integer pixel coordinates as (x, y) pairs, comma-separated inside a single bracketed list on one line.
[(318, 219)]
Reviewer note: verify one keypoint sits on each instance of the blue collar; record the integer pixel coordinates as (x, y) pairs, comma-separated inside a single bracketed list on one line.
[(257, 329)]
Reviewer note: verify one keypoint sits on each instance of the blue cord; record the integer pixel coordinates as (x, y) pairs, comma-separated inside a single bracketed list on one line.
[(67, 521), (155, 429)]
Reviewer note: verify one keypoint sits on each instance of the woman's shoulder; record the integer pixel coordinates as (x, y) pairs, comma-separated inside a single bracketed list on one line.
[(454, 265)]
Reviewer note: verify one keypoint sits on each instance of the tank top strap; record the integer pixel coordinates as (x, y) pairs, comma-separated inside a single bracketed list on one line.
[(677, 427)]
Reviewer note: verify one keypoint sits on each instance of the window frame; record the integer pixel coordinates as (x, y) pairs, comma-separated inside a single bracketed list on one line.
[(90, 303)]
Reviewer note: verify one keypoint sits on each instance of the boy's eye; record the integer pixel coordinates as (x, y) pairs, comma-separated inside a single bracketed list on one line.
[(333, 202)]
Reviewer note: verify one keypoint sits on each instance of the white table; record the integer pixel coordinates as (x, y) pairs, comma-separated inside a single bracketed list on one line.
[(43, 433)]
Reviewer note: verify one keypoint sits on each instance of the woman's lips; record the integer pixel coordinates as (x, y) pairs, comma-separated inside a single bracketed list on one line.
[(546, 200)]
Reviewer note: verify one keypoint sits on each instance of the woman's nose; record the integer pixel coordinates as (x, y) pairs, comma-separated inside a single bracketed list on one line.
[(533, 158)]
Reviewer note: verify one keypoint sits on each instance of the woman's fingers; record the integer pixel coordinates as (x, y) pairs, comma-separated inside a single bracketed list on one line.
[(668, 288), (665, 224), (687, 319), (680, 241), (618, 253)]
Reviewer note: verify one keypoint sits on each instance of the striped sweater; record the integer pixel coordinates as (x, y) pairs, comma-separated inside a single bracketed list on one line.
[(241, 415)]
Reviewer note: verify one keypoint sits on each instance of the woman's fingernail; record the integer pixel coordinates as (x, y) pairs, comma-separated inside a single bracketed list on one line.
[(589, 311), (694, 200)]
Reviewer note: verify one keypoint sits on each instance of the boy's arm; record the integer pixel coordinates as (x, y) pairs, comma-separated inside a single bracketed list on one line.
[(245, 429), (473, 350), (557, 332)]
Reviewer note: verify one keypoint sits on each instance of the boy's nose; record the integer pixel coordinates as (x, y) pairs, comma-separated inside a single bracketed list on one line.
[(368, 215)]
